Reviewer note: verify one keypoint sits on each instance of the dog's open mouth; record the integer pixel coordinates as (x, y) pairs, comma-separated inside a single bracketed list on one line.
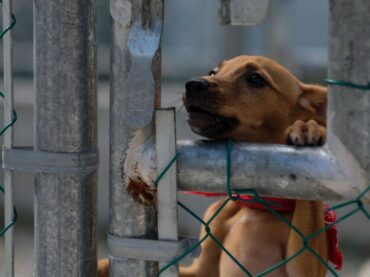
[(210, 125)]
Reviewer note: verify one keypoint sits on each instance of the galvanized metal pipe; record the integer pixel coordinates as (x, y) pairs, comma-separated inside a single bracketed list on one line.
[(65, 121), (8, 138), (135, 92), (349, 108), (275, 170)]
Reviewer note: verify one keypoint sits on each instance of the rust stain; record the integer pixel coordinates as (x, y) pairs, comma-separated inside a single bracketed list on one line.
[(141, 192)]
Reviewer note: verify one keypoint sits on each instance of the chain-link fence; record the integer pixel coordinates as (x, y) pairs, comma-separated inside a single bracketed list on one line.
[(355, 206)]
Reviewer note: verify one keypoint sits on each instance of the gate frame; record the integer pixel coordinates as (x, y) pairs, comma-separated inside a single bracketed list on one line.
[(343, 167)]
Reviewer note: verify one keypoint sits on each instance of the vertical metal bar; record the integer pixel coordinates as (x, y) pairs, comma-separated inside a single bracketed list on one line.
[(349, 108), (243, 12), (135, 91), (8, 137), (167, 186), (65, 121)]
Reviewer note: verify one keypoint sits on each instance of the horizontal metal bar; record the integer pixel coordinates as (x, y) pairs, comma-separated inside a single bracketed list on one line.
[(25, 159), (149, 250), (275, 170)]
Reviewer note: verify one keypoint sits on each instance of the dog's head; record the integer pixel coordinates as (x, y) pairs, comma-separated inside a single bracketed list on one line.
[(251, 98)]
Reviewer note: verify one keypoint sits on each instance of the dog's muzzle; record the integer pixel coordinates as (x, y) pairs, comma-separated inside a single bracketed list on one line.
[(197, 88), (201, 104)]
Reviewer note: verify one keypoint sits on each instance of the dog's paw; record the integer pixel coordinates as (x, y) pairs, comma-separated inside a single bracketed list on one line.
[(308, 133)]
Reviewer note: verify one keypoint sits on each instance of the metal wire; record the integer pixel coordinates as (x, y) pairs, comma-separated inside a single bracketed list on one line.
[(347, 84), (6, 127), (2, 131), (3, 231)]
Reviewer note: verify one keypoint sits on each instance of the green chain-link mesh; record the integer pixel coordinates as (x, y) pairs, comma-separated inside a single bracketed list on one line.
[(234, 195), (6, 127)]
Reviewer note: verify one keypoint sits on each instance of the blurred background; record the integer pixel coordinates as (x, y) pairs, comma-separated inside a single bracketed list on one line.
[(294, 33)]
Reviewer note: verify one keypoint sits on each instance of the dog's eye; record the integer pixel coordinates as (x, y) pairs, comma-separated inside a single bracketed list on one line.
[(212, 73), (256, 80)]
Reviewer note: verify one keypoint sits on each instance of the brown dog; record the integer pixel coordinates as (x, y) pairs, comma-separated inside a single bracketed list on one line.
[(254, 99)]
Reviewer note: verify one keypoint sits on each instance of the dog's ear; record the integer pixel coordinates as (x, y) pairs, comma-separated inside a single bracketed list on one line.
[(313, 98)]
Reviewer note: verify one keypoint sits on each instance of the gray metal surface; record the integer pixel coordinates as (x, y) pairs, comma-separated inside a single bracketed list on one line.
[(278, 170), (149, 250), (8, 138), (165, 131), (135, 92), (65, 121), (25, 159), (243, 12), (349, 109)]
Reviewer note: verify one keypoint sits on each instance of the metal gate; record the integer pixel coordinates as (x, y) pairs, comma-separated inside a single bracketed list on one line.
[(65, 158)]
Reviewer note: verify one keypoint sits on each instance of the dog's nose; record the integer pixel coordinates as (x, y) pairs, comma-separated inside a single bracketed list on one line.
[(196, 86)]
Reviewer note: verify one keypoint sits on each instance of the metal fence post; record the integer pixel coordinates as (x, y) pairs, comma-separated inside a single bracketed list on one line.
[(8, 138), (135, 92), (65, 123), (349, 60), (167, 187)]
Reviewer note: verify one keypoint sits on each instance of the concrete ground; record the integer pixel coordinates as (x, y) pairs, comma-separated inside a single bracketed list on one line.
[(354, 232)]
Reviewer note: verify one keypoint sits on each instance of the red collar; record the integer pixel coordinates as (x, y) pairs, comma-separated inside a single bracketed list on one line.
[(277, 204), (288, 205)]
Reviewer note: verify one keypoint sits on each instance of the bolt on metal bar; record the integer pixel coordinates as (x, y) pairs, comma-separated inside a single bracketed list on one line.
[(167, 186), (8, 137), (65, 122), (135, 92)]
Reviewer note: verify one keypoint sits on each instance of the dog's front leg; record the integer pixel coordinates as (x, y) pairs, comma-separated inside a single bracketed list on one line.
[(308, 216)]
